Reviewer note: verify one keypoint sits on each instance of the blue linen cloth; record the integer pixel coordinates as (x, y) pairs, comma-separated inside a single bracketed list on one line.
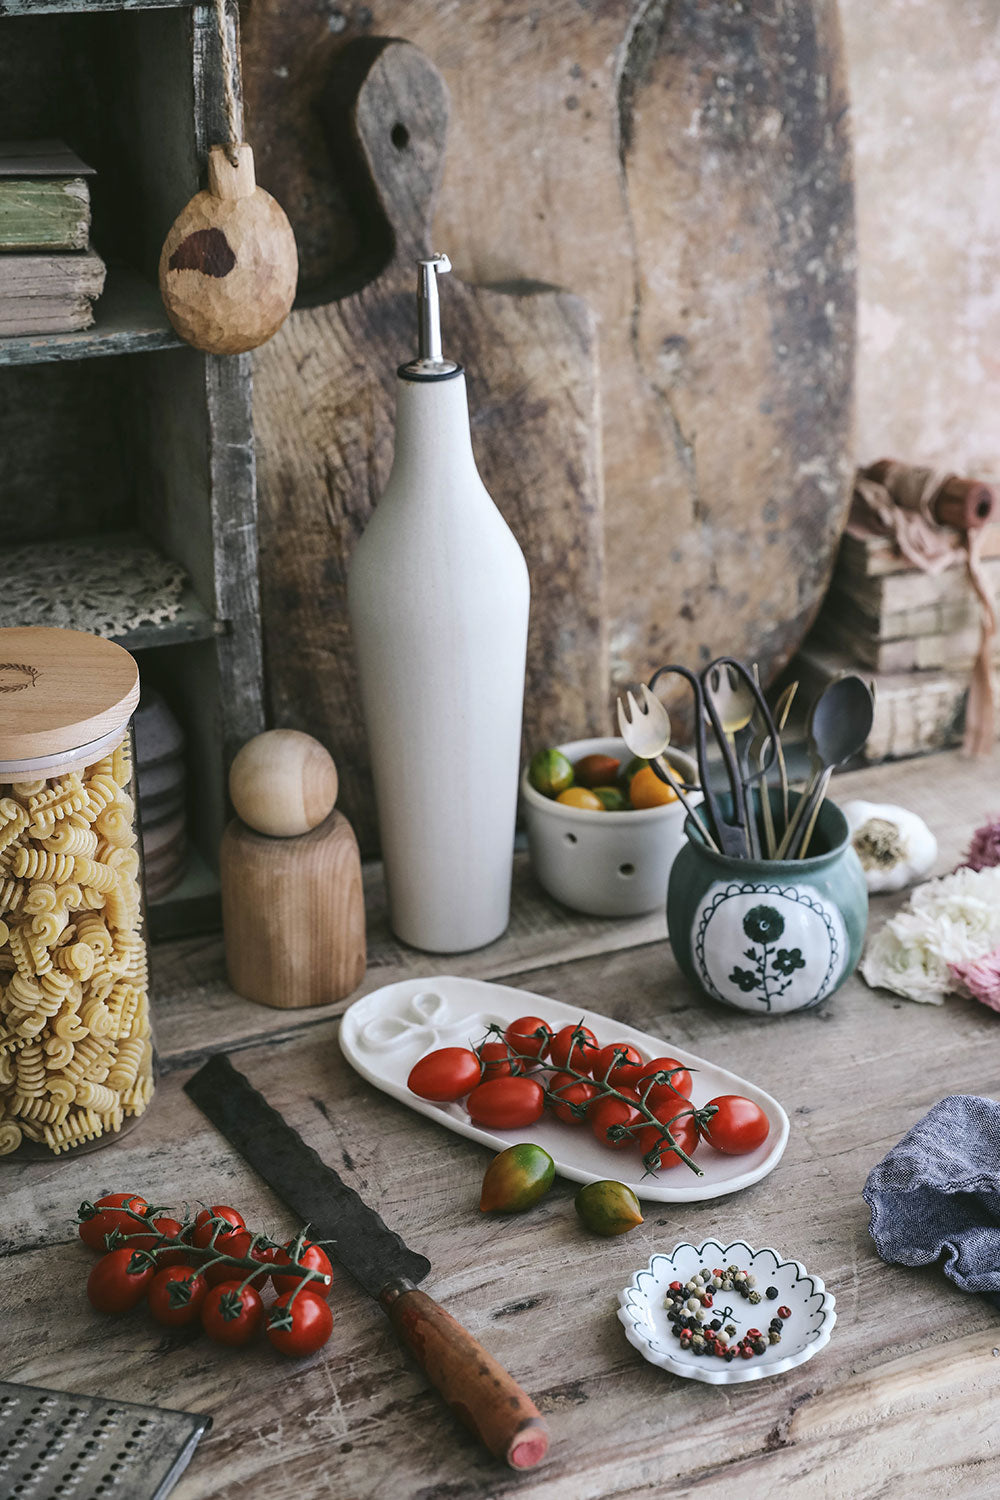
[(937, 1194)]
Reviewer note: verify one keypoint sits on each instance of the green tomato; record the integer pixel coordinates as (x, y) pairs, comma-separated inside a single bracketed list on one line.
[(516, 1179), (613, 798), (608, 1207), (550, 772)]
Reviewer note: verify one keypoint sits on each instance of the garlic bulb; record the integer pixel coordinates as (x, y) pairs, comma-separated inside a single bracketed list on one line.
[(894, 845)]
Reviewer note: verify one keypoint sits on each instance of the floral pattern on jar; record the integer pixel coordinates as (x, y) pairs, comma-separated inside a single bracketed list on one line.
[(767, 947)]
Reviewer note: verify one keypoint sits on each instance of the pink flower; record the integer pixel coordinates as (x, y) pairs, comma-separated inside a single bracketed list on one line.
[(980, 978), (984, 851)]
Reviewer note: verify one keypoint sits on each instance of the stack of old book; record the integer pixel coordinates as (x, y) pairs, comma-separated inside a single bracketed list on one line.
[(914, 633), (50, 276)]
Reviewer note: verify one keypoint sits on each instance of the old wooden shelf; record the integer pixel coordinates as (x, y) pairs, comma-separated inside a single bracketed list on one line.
[(122, 426)]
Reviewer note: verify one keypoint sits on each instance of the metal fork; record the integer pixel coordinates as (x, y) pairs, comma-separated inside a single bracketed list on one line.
[(646, 732)]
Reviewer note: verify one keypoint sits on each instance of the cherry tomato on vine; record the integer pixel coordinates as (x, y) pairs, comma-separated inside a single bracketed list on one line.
[(565, 1090), (169, 1227), (446, 1074), (119, 1280), (206, 1223), (684, 1132), (605, 1114), (230, 1315), (662, 1093), (239, 1244), (739, 1126), (622, 1060), (93, 1230), (529, 1035), (574, 1047), (506, 1103), (496, 1061), (176, 1294), (301, 1327), (313, 1257)]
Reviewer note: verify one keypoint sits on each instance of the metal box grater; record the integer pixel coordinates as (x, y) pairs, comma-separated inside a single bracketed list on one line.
[(86, 1447)]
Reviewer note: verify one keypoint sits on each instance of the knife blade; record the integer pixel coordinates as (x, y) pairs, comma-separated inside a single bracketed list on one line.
[(475, 1385)]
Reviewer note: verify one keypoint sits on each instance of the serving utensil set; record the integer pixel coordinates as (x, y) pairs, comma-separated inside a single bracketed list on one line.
[(747, 733)]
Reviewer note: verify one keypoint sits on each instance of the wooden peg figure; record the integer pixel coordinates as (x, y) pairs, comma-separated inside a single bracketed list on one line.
[(293, 911)]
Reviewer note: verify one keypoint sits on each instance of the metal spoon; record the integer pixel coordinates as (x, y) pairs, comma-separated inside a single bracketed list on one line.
[(840, 722)]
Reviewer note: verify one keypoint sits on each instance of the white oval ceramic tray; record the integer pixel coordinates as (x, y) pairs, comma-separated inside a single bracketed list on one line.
[(808, 1330), (383, 1034)]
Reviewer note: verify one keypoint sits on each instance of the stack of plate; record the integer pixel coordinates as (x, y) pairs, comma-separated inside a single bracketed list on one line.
[(159, 753)]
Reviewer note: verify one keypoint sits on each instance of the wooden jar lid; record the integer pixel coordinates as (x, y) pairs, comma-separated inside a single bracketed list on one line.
[(61, 690)]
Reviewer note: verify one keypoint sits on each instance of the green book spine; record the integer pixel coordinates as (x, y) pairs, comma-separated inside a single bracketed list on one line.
[(45, 213)]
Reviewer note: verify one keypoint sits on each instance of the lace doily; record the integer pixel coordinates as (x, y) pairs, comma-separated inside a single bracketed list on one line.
[(105, 585)]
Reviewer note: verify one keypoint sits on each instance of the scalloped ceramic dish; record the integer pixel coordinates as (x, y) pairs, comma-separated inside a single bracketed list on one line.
[(383, 1034), (808, 1330)]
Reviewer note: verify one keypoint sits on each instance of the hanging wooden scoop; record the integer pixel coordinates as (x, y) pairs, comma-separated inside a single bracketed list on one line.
[(229, 266)]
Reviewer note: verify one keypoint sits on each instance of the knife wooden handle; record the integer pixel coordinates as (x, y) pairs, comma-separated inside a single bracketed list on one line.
[(475, 1386)]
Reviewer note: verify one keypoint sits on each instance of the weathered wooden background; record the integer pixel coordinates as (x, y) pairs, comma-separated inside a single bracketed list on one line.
[(686, 170)]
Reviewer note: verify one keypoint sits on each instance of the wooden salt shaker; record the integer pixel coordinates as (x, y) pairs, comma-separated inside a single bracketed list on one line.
[(292, 905)]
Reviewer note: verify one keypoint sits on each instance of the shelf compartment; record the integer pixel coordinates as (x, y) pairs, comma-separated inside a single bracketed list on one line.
[(128, 319), (116, 585)]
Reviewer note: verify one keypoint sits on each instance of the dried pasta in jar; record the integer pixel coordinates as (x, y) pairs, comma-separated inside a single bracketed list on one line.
[(76, 1059)]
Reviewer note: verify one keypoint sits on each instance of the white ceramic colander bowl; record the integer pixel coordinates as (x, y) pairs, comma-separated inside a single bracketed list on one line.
[(608, 864)]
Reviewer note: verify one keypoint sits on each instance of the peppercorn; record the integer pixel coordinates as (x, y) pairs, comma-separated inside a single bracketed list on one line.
[(774, 1337), (776, 1323), (753, 1333), (771, 1293), (784, 1312), (745, 1352), (731, 1329), (675, 1286), (730, 1355), (727, 1283), (754, 1297), (716, 1324)]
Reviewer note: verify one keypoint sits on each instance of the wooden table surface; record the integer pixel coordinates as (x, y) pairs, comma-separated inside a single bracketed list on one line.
[(896, 1405)]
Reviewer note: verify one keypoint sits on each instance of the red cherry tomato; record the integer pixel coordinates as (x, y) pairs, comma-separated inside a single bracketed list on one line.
[(606, 1114), (663, 1093), (506, 1103), (617, 1062), (119, 1280), (207, 1223), (93, 1230), (574, 1047), (230, 1315), (163, 1226), (447, 1074), (529, 1035), (314, 1258), (175, 1295), (739, 1126), (301, 1327), (563, 1091), (684, 1132), (496, 1061)]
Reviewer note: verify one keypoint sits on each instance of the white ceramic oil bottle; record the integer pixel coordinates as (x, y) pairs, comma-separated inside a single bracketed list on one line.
[(438, 596)]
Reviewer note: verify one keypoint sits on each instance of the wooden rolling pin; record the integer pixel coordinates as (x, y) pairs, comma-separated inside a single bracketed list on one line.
[(965, 504)]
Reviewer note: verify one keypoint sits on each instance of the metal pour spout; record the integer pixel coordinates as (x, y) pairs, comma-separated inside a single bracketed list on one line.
[(430, 360)]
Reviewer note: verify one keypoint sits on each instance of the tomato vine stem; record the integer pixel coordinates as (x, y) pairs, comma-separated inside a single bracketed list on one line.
[(606, 1090)]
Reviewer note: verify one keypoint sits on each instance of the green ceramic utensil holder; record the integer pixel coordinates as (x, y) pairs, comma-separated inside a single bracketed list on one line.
[(769, 936)]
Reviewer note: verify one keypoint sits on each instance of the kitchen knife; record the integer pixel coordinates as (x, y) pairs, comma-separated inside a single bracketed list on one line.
[(478, 1389)]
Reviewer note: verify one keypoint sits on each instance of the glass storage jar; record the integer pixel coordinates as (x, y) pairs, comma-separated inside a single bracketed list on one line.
[(76, 1052)]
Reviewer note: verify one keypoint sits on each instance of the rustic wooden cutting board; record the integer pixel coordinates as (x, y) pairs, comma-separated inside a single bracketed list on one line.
[(686, 168), (324, 403)]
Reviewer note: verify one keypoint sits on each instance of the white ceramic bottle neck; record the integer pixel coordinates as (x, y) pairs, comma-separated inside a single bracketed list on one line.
[(433, 441)]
